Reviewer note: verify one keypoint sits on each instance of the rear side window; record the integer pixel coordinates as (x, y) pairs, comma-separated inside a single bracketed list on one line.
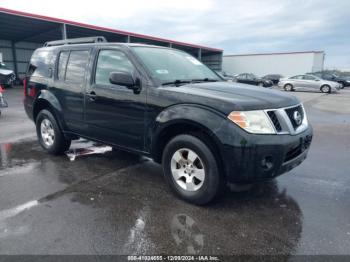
[(40, 64), (76, 65), (111, 61), (62, 63), (308, 77)]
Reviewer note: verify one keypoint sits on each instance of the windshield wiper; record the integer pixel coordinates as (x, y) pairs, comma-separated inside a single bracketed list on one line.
[(204, 80), (176, 82), (179, 82)]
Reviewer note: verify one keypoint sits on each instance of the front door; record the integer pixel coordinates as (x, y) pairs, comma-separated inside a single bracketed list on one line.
[(310, 82), (115, 113)]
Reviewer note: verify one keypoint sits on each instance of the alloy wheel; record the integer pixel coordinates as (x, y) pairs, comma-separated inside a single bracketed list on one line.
[(187, 169), (47, 132)]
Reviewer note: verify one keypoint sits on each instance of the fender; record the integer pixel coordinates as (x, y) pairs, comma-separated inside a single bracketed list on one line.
[(47, 97), (203, 117)]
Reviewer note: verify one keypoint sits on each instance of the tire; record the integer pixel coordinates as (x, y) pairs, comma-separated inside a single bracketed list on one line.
[(50, 135), (198, 189), (342, 85), (288, 87), (325, 89)]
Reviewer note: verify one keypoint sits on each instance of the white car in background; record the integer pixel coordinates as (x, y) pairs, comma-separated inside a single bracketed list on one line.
[(7, 76), (308, 82)]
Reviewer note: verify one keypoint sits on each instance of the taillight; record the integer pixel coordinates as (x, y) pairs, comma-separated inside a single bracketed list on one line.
[(25, 87), (1, 89)]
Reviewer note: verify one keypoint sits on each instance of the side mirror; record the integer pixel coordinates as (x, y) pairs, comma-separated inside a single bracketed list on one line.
[(122, 79)]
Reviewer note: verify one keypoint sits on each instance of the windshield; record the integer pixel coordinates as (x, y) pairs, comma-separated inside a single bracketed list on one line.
[(169, 65), (3, 66)]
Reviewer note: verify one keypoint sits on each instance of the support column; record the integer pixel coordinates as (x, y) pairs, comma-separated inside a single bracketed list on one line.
[(14, 57), (64, 31), (200, 54), (128, 38), (171, 45)]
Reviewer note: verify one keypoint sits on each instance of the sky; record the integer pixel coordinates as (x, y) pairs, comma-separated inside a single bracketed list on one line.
[(236, 26)]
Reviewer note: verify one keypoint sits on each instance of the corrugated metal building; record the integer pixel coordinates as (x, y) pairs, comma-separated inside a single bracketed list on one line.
[(286, 64), (21, 33)]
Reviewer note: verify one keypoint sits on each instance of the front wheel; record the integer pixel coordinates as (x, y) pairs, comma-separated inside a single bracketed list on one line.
[(50, 135), (191, 169), (325, 89)]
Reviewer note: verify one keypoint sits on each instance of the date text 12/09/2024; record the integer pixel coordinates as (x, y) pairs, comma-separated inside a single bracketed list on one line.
[(174, 258)]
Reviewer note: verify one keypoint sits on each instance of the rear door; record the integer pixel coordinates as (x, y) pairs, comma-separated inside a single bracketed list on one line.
[(251, 79), (297, 81), (70, 81)]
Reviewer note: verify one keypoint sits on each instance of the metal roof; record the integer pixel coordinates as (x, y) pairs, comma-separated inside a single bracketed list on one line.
[(283, 53), (22, 26)]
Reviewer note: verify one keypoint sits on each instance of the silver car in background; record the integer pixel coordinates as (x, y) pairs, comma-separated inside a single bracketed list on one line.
[(308, 82)]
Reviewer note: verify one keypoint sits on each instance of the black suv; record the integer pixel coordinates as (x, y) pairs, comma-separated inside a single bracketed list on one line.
[(165, 104)]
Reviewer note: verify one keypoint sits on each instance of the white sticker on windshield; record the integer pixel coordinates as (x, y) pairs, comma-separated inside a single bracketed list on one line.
[(162, 71), (193, 60)]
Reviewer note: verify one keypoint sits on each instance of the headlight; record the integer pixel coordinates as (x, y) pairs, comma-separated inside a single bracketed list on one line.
[(256, 122), (348, 81)]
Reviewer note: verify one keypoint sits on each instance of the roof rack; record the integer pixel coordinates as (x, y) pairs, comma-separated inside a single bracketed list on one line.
[(81, 40)]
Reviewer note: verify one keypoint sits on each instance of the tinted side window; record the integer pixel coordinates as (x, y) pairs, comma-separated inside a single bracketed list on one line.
[(62, 62), (40, 64), (76, 66), (111, 61)]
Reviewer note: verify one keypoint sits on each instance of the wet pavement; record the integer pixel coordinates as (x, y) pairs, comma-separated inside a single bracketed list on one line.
[(118, 203)]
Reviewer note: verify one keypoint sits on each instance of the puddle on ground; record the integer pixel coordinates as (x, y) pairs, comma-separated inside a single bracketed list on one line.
[(78, 152)]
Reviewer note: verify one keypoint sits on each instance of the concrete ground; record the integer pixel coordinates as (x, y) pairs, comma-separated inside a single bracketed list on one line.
[(118, 203)]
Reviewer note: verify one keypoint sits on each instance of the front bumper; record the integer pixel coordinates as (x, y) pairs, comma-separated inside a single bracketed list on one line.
[(265, 156)]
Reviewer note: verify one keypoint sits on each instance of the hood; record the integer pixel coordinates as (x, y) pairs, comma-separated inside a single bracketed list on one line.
[(229, 96), (6, 71)]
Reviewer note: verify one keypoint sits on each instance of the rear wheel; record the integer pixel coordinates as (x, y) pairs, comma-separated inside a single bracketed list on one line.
[(288, 87), (50, 135), (325, 89), (191, 169)]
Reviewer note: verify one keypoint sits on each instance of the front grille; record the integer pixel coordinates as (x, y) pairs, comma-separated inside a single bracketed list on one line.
[(290, 113), (275, 120)]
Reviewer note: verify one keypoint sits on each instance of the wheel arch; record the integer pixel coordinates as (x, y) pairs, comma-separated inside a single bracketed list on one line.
[(173, 123), (46, 100)]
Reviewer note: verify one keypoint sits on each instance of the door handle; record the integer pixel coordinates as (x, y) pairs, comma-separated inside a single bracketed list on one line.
[(91, 96)]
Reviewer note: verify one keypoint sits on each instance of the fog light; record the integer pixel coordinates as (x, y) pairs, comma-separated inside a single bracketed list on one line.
[(267, 163)]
